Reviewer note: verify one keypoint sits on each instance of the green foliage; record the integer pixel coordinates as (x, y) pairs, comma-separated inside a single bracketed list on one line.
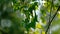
[(20, 13), (18, 24)]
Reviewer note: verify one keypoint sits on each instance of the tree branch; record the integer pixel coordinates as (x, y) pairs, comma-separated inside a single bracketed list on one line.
[(49, 23)]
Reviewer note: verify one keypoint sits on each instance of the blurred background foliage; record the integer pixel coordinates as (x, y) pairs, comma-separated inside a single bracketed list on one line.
[(29, 16)]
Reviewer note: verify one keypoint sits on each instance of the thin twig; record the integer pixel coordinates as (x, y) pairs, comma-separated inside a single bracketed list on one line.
[(51, 20)]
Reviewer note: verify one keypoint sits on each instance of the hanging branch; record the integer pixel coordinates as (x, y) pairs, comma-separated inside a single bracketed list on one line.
[(52, 20), (52, 5)]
